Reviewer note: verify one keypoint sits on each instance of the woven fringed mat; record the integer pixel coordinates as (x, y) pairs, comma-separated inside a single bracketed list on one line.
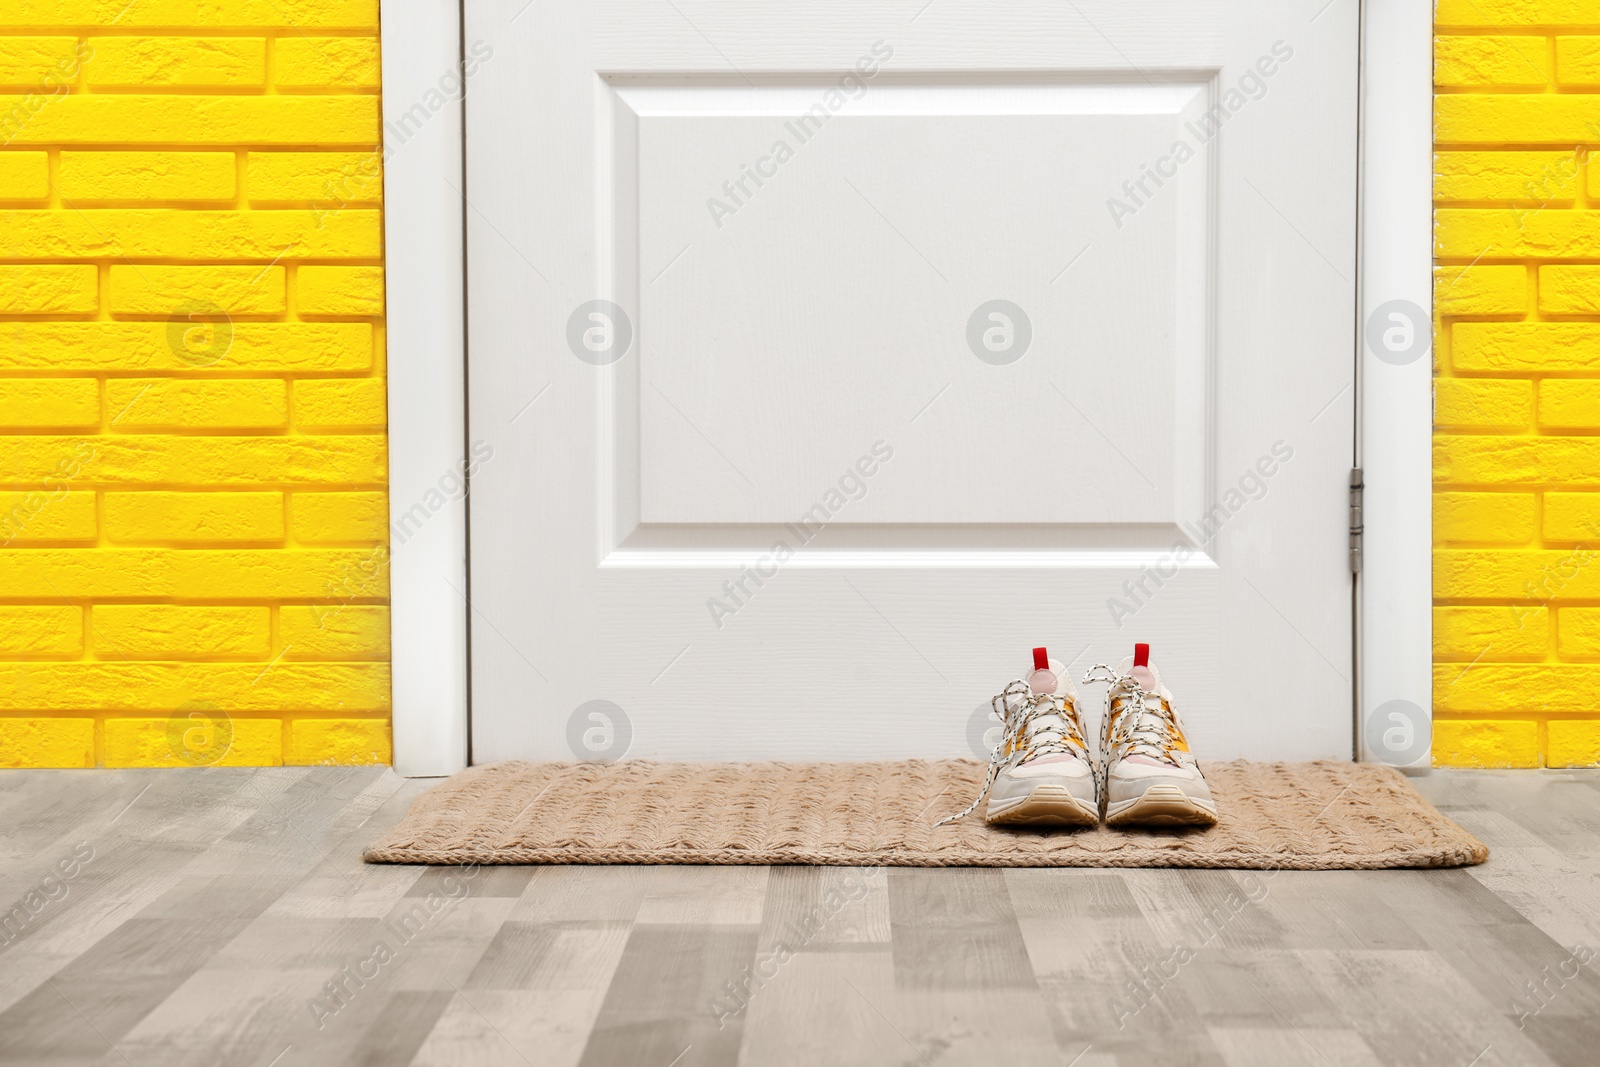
[(1295, 816)]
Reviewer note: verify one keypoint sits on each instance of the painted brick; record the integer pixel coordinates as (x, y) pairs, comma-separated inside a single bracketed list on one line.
[(1482, 403), (25, 62), (177, 62), (217, 740), (1496, 634), (1483, 290), (170, 403), (1504, 62), (339, 290), (337, 632), (1525, 347), (1578, 61), (336, 575), (331, 179), (1512, 233), (1522, 687), (1547, 576), (333, 404), (49, 513), (1516, 635), (164, 631), (326, 62), (45, 290), (151, 685), (337, 742), (52, 742), (176, 176), (333, 518), (215, 14), (1569, 289), (163, 233), (1480, 743), (151, 290), (1578, 631), (55, 630), (49, 403), (349, 461), (1574, 743), (1572, 517), (1518, 14), (164, 517), (1569, 403), (1536, 118), (1537, 178), (24, 175), (1529, 461), (158, 346), (112, 118), (1484, 518)]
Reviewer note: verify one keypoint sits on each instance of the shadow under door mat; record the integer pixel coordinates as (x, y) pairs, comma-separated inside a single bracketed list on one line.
[(1294, 816)]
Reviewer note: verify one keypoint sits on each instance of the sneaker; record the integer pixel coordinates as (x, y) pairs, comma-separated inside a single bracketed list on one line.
[(1150, 777), (1041, 773)]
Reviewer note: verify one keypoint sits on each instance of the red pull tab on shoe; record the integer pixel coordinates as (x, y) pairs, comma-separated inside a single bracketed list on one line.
[(1041, 660), (1141, 655)]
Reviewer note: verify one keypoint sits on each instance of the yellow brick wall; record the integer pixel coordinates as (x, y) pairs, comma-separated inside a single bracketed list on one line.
[(1516, 516), (191, 384), (192, 454)]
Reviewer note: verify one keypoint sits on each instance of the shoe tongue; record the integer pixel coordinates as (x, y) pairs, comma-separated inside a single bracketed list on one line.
[(1063, 686), (1146, 676)]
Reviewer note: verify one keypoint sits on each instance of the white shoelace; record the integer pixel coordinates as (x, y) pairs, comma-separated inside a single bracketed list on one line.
[(1142, 730), (1022, 711)]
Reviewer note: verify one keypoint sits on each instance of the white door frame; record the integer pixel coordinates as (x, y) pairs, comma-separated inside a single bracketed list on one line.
[(425, 204)]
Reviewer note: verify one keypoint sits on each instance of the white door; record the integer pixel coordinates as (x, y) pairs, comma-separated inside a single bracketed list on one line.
[(832, 356)]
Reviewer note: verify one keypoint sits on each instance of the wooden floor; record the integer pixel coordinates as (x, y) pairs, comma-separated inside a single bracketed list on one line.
[(162, 918)]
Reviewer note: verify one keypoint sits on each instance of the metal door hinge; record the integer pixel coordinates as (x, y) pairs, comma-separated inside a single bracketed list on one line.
[(1356, 485)]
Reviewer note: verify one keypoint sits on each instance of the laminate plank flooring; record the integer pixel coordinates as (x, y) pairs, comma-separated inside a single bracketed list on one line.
[(224, 916)]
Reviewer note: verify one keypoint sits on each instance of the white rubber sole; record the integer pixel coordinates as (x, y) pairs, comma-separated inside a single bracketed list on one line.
[(1162, 805), (1044, 805)]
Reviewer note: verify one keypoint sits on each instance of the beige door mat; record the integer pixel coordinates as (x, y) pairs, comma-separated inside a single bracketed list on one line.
[(1296, 816)]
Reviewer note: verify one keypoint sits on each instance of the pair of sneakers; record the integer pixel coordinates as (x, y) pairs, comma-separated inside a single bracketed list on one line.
[(1043, 774)]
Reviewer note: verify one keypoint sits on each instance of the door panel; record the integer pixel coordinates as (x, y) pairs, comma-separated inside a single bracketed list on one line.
[(831, 360)]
